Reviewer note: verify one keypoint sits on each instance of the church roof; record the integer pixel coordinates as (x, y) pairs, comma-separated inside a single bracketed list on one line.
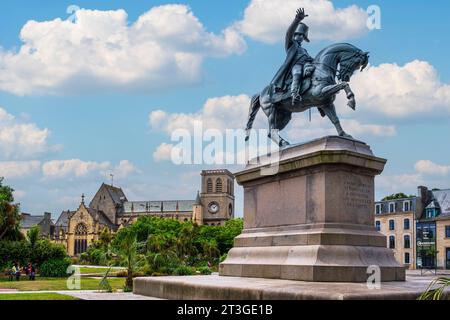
[(63, 220), (116, 193), (158, 206), (102, 218)]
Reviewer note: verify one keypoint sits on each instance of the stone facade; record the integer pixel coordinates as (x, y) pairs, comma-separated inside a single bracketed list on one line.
[(428, 214), (110, 209), (403, 229), (443, 242)]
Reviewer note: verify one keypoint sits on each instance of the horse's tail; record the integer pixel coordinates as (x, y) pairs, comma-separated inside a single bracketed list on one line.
[(254, 108)]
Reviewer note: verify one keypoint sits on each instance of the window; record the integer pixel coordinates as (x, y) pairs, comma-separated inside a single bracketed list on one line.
[(407, 241), (447, 231), (406, 225), (407, 258), (81, 229), (219, 185), (209, 187), (391, 242), (406, 206), (378, 225), (391, 207), (377, 208), (391, 224)]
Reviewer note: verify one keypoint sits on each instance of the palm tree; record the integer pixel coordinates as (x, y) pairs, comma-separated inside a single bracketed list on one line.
[(434, 292), (125, 245)]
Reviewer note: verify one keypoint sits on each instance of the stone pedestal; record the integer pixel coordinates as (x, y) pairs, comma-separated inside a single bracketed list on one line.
[(313, 219)]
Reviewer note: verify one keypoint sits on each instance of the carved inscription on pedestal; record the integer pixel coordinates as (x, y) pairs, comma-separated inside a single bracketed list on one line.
[(357, 193)]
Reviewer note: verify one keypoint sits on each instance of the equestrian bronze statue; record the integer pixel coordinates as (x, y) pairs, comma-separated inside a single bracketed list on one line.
[(303, 83)]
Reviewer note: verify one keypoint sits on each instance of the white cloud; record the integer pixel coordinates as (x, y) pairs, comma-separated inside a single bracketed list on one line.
[(18, 169), (124, 169), (74, 167), (302, 129), (165, 47), (429, 167), (231, 112), (268, 20), (19, 139), (402, 91), (163, 152), (227, 112), (78, 168)]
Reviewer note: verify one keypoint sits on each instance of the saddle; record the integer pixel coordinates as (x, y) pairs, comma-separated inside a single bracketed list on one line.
[(278, 94)]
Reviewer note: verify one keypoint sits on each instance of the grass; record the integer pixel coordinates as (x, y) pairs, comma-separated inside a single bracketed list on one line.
[(49, 284), (35, 296), (100, 271)]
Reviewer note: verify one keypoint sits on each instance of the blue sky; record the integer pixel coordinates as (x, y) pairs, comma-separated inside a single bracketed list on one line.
[(74, 123)]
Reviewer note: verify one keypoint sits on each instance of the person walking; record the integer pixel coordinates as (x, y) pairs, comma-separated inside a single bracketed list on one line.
[(12, 273), (32, 272), (17, 272)]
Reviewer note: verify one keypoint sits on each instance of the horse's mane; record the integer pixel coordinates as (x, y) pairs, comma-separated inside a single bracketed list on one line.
[(334, 48)]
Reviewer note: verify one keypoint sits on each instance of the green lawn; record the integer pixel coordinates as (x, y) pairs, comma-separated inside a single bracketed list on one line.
[(49, 284), (35, 296), (89, 270)]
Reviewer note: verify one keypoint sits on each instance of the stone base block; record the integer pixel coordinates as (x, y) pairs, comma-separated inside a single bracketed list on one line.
[(215, 287)]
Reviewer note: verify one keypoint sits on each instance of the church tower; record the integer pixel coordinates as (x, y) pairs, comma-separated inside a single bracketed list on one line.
[(217, 196)]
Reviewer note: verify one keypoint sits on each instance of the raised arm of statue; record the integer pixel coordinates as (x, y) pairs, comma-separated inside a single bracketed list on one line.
[(290, 32)]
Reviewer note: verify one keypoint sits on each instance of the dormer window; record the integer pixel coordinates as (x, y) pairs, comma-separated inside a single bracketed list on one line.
[(391, 207), (407, 206), (378, 208)]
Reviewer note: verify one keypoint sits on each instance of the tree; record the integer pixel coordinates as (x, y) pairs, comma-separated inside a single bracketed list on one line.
[(125, 246), (397, 196), (33, 236), (105, 238), (9, 214)]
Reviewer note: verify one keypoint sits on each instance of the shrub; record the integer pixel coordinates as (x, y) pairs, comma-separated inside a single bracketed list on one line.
[(205, 270), (183, 271), (56, 268)]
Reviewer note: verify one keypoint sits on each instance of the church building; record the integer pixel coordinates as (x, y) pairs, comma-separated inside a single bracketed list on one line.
[(111, 209)]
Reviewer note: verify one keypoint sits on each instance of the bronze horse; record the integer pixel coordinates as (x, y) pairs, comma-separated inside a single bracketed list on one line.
[(336, 61)]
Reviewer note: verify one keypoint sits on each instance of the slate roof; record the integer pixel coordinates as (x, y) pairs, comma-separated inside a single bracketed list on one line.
[(116, 194), (102, 218), (442, 197), (158, 206), (63, 220), (28, 221)]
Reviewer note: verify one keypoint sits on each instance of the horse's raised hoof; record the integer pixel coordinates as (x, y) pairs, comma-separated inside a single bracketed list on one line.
[(284, 144), (352, 103)]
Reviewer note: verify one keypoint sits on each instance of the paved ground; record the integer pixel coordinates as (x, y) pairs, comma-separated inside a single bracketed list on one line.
[(414, 285)]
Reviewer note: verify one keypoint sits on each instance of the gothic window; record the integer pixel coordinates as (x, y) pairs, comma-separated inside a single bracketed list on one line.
[(81, 229), (81, 244), (209, 187), (219, 185)]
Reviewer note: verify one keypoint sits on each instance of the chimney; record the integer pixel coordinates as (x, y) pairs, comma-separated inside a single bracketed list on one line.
[(47, 216), (424, 195)]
